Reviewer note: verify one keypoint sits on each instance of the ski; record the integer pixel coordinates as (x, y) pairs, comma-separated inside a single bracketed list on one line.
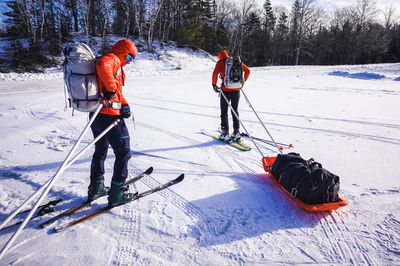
[(88, 202), (241, 143), (42, 210), (269, 142), (106, 208), (238, 145)]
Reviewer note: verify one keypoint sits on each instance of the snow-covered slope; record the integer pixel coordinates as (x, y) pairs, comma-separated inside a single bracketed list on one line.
[(226, 211)]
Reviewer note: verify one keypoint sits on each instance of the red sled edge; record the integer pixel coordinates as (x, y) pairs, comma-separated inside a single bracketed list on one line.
[(323, 207)]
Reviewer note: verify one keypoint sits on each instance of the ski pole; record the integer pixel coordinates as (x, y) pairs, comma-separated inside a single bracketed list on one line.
[(17, 211), (233, 111), (52, 181), (276, 145), (269, 142), (50, 203), (43, 209)]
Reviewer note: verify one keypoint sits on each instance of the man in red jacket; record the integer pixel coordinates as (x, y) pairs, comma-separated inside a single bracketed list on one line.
[(232, 95), (110, 79)]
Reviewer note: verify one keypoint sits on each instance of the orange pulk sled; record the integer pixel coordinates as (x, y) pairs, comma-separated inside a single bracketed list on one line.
[(268, 162)]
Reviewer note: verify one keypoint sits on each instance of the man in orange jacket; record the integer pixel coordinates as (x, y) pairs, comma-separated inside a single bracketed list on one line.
[(232, 95), (110, 79)]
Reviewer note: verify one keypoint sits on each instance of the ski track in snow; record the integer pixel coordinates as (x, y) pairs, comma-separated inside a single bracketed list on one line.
[(129, 234), (356, 135), (218, 231), (122, 251), (242, 111), (344, 246)]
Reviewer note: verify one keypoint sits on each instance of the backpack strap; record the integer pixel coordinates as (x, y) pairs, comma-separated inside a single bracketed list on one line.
[(122, 73), (116, 73)]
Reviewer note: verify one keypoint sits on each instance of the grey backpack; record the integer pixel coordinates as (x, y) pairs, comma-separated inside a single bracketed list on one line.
[(80, 77)]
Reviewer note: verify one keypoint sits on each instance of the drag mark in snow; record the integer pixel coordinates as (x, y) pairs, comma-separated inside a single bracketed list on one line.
[(335, 132), (342, 241), (342, 133), (388, 237), (351, 90), (344, 120)]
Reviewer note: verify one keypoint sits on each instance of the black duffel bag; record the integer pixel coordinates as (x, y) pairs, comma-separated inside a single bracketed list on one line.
[(306, 179)]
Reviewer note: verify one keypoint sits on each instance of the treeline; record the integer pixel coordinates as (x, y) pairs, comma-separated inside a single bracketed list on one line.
[(305, 34)]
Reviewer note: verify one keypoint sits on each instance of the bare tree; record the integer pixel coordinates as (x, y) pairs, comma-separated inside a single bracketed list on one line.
[(85, 9), (106, 10), (153, 9), (240, 14), (128, 4), (365, 13), (224, 10), (42, 11), (302, 13), (390, 16)]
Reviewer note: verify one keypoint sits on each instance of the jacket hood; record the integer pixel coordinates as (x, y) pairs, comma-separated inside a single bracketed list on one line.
[(223, 54), (122, 48)]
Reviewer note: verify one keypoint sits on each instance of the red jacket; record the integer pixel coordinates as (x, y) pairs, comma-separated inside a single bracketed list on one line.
[(110, 64), (220, 70)]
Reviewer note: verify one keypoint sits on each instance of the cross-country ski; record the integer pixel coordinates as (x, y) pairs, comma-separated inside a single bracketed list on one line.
[(82, 205), (284, 126), (106, 208), (238, 145)]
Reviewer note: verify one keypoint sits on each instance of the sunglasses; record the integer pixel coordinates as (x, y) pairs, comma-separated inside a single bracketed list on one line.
[(129, 57)]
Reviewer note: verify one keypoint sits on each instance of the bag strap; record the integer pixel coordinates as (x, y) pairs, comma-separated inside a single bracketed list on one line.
[(122, 73)]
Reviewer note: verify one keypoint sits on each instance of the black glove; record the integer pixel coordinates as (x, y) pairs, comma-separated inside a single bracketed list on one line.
[(108, 95), (125, 111), (215, 87)]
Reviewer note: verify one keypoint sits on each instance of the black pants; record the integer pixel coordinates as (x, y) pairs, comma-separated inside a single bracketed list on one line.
[(118, 138), (233, 97)]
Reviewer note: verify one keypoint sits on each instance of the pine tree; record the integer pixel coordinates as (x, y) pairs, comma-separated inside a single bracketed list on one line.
[(120, 18), (268, 29), (252, 41), (281, 40)]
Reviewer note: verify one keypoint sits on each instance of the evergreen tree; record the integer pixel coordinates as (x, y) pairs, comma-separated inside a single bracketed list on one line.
[(189, 32), (252, 41), (281, 40), (221, 39), (268, 29), (120, 19), (394, 47)]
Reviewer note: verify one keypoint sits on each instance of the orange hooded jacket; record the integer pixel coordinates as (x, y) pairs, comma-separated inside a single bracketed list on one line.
[(220, 69), (110, 64)]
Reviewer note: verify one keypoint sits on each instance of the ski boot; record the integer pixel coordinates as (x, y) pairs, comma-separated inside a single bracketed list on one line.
[(118, 194), (224, 135), (97, 189), (236, 135)]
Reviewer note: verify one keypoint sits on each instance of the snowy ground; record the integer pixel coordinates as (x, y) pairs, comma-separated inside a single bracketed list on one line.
[(226, 211)]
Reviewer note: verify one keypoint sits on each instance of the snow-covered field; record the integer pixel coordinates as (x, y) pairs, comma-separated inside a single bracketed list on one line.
[(226, 211)]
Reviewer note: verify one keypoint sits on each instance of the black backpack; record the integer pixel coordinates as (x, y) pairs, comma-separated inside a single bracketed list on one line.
[(233, 72), (236, 72), (306, 180)]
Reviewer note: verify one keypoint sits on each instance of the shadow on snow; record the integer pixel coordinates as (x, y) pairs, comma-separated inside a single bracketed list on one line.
[(255, 208)]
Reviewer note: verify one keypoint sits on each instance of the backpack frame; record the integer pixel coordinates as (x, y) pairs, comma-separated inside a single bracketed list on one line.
[(80, 77)]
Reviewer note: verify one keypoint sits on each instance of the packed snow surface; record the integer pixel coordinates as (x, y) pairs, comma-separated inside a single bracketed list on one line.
[(226, 211)]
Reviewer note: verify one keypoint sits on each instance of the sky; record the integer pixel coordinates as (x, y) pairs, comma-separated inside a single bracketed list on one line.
[(329, 4)]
